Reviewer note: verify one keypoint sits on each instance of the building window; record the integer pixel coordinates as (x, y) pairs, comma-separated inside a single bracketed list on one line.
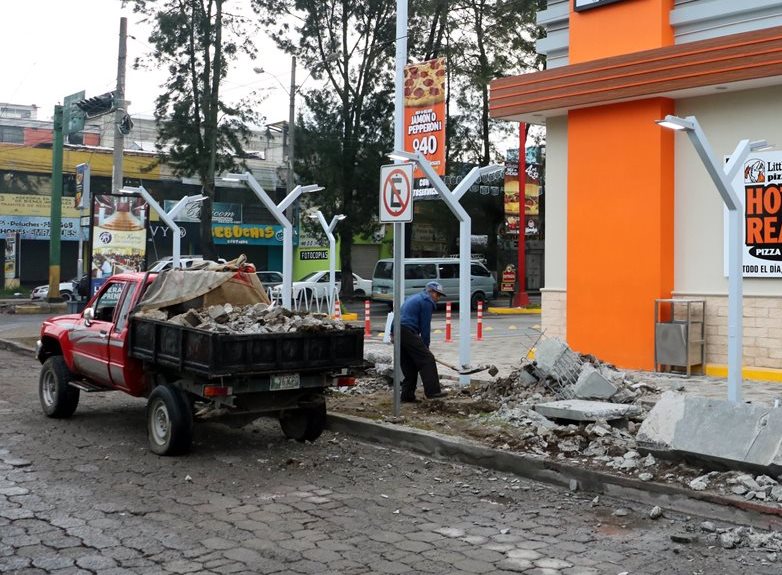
[(11, 134)]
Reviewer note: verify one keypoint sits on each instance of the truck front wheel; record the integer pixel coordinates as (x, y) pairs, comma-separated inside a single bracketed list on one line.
[(304, 423), (58, 399), (169, 421)]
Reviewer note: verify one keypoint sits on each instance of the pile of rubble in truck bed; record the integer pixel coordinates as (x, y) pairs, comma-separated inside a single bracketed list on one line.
[(256, 318)]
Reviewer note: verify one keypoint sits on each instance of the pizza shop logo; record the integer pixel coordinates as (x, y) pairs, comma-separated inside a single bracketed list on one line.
[(757, 171), (763, 224)]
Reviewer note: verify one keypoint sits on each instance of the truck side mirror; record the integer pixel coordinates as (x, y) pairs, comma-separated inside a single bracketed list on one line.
[(88, 315)]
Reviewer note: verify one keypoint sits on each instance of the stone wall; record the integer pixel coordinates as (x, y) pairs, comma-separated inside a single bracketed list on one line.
[(554, 313)]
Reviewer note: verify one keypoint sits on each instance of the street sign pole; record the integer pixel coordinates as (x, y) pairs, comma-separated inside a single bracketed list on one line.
[(399, 227)]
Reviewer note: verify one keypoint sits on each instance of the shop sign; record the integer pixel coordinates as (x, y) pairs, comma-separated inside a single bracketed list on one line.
[(424, 122), (82, 199), (222, 212), (247, 234), (309, 255), (38, 227), (508, 279), (761, 181), (579, 5), (34, 205)]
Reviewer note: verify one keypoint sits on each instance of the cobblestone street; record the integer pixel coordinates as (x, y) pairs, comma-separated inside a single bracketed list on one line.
[(86, 496)]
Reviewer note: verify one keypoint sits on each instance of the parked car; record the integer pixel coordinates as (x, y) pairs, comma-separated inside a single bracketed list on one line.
[(420, 271), (269, 278), (67, 291), (316, 285), (184, 262)]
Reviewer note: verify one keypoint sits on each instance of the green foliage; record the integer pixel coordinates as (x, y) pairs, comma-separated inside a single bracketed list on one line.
[(198, 132), (342, 139)]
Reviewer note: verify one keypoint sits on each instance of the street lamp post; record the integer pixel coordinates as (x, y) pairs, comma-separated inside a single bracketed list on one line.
[(723, 174), (329, 230), (278, 211), (451, 199), (167, 217)]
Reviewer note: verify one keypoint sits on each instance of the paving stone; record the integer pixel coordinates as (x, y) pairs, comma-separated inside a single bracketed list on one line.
[(95, 563)]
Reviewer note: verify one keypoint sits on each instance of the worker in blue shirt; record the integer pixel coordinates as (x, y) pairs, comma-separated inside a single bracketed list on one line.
[(416, 325)]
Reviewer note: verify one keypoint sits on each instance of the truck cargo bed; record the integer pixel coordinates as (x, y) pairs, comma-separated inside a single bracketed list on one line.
[(211, 354)]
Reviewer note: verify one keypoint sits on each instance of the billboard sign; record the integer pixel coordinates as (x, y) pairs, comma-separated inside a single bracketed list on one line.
[(82, 199), (424, 122), (119, 234), (579, 5), (761, 185), (222, 212)]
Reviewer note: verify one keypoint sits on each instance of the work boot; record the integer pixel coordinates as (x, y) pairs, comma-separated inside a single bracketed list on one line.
[(439, 395)]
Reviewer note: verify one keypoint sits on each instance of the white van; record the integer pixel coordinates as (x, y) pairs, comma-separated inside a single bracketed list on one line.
[(420, 271)]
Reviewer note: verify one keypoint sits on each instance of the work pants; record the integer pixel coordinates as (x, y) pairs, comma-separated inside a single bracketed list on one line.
[(416, 358)]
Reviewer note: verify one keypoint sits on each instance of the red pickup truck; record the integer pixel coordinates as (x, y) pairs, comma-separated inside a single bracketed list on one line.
[(182, 370)]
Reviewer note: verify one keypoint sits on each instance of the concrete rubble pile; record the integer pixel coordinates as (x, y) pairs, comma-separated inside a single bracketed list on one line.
[(257, 318)]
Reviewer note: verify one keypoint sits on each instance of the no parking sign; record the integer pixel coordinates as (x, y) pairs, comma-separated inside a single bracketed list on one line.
[(396, 193)]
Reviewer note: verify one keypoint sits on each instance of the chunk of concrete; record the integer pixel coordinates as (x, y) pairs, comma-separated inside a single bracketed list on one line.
[(740, 435), (583, 410), (554, 358), (592, 385)]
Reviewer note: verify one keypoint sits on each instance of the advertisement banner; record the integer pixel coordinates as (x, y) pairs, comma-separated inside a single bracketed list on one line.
[(532, 192), (424, 123), (82, 199), (761, 183), (222, 212), (119, 234), (10, 267)]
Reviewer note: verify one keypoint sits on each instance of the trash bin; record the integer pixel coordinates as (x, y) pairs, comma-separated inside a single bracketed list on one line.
[(679, 335)]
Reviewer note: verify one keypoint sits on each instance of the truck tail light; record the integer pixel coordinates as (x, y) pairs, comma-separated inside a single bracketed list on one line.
[(346, 381), (217, 391)]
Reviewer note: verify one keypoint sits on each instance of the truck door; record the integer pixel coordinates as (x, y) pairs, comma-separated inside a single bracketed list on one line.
[(126, 373), (90, 338)]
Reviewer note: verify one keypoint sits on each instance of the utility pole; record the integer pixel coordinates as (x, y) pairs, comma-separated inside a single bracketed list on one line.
[(291, 124), (119, 112), (56, 208)]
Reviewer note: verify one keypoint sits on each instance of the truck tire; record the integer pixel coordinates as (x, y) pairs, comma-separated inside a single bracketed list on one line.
[(58, 399), (169, 421), (305, 423)]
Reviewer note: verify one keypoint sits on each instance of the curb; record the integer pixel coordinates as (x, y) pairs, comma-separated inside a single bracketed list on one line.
[(751, 373), (513, 311), (679, 499), (31, 309), (11, 345)]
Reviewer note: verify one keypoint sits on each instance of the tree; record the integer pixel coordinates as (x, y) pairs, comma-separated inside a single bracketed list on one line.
[(341, 142), (198, 132)]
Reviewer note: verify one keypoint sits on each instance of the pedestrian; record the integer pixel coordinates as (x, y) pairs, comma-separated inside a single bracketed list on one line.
[(416, 325)]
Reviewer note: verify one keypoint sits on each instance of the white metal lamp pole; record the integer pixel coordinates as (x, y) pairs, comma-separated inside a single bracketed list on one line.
[(451, 199), (167, 217), (723, 174), (329, 230), (278, 211)]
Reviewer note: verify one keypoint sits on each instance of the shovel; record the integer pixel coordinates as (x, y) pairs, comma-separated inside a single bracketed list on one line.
[(468, 370)]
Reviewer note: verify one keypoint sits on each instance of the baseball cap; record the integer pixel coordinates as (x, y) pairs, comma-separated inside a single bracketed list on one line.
[(435, 286)]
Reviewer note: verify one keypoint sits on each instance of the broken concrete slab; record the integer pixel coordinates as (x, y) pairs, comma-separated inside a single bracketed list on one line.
[(555, 359), (583, 410), (592, 385), (739, 435)]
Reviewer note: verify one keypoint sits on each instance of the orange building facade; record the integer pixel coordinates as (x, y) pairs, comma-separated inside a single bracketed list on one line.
[(632, 215)]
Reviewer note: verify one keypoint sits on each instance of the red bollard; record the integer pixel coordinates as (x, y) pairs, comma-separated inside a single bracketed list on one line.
[(367, 324), (337, 310), (447, 322), (480, 321)]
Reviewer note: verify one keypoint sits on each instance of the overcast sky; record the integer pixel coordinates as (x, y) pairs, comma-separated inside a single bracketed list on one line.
[(53, 48)]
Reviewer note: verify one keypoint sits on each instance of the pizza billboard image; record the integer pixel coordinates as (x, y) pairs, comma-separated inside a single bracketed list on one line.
[(425, 112)]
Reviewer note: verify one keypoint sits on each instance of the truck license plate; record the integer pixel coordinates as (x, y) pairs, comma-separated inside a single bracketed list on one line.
[(285, 381)]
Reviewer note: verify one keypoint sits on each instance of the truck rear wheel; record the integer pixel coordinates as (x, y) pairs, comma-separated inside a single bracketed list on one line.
[(58, 399), (304, 423), (169, 421)]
